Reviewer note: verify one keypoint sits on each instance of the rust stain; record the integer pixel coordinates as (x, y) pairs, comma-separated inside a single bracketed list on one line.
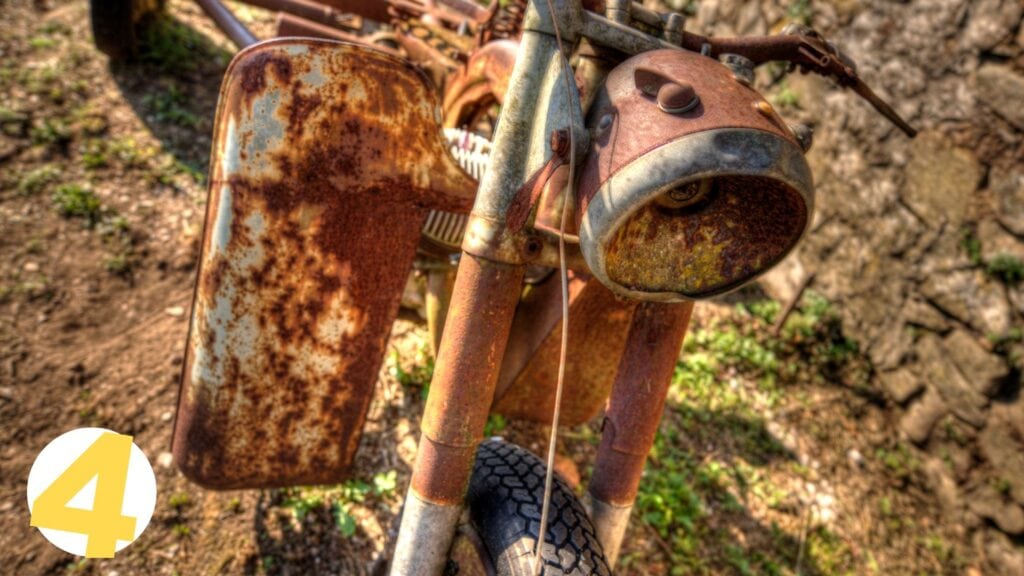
[(327, 159), (598, 324), (715, 244), (638, 399)]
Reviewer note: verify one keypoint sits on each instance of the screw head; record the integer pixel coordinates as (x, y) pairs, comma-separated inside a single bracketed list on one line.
[(677, 98)]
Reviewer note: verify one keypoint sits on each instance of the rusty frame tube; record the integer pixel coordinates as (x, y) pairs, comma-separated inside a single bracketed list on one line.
[(228, 23), (313, 11), (290, 25), (475, 336), (632, 417)]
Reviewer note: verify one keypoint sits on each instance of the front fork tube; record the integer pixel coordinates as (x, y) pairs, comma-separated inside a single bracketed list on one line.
[(632, 418), (476, 332)]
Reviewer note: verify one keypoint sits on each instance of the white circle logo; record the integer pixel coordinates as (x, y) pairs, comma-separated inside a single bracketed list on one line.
[(91, 492)]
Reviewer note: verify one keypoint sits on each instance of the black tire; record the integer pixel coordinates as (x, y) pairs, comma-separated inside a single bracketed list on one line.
[(115, 25), (505, 498)]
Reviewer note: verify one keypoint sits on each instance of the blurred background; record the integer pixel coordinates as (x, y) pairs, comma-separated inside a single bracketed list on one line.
[(877, 428)]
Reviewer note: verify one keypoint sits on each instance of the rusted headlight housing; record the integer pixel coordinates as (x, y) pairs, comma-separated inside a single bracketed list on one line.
[(693, 186)]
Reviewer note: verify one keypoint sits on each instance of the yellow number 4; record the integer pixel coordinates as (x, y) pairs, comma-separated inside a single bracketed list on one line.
[(107, 461)]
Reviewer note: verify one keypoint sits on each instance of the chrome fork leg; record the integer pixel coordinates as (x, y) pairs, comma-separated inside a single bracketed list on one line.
[(632, 418), (476, 332)]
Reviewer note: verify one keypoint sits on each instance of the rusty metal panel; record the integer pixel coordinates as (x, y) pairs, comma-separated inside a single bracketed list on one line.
[(598, 325), (326, 160)]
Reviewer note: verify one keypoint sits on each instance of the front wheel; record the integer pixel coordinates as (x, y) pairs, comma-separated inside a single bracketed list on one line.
[(505, 498), (115, 25)]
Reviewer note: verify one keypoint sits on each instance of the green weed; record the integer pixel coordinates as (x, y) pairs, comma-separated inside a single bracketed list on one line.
[(175, 48), (168, 106), (800, 11), (1006, 268), (787, 97), (74, 201), (339, 499), (42, 42), (38, 179), (50, 132), (178, 500), (496, 424)]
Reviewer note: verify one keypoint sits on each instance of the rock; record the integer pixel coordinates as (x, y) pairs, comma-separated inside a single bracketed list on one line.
[(166, 416), (963, 399), (982, 368), (855, 458), (165, 459), (782, 282), (920, 418), (970, 297), (901, 384), (920, 313), (1001, 553), (996, 241), (730, 17), (987, 502), (942, 484), (1008, 188), (999, 88), (7, 393), (940, 180), (991, 22), (175, 311), (31, 267), (1000, 443)]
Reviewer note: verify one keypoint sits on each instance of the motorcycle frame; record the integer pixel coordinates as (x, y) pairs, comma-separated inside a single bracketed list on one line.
[(486, 292)]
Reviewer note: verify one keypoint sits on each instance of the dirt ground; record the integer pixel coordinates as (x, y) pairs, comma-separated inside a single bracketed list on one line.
[(774, 456)]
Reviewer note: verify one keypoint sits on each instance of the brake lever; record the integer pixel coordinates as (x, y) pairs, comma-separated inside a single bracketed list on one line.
[(802, 47), (823, 57)]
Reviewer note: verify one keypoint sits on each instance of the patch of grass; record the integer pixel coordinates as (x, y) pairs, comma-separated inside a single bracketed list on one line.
[(173, 47), (94, 154), (41, 42), (416, 376), (74, 201), (971, 246), (178, 500), (899, 460), (38, 179), (829, 552), (181, 530), (787, 97), (945, 554), (168, 106), (1006, 268), (51, 132), (234, 505), (339, 499), (130, 153), (800, 11), (496, 424), (12, 122)]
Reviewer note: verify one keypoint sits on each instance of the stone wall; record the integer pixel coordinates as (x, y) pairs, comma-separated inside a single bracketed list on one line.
[(920, 242)]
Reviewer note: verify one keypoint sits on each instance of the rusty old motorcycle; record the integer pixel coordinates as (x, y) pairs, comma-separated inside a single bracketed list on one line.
[(568, 176)]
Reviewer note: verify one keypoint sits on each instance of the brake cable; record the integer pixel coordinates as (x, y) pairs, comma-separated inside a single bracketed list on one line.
[(564, 277)]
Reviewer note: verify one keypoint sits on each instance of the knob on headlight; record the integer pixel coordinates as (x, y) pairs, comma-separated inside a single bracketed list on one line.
[(685, 202)]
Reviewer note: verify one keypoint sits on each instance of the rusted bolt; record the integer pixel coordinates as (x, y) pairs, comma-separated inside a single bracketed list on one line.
[(742, 68), (804, 135), (677, 98), (618, 11), (533, 247), (674, 27)]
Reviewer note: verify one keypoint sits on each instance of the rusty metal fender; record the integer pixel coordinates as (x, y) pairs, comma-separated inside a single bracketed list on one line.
[(326, 160)]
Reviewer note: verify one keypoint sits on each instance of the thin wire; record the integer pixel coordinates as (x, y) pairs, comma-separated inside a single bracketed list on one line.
[(564, 275)]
